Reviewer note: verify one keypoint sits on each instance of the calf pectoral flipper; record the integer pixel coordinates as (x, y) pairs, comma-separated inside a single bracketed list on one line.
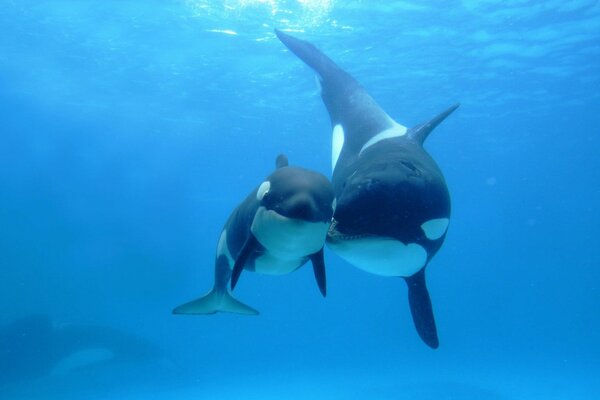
[(249, 247)]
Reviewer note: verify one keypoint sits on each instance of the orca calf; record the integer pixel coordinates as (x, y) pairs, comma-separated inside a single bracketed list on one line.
[(393, 206), (280, 225)]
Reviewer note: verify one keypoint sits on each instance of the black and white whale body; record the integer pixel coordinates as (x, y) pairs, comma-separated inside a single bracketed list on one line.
[(280, 225), (393, 206)]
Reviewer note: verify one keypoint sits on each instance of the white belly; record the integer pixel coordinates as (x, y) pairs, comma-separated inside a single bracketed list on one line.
[(381, 256)]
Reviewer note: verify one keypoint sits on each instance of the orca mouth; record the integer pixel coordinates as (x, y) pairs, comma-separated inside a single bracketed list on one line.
[(334, 235), (302, 208)]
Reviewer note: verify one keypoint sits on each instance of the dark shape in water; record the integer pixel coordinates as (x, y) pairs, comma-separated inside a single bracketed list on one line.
[(33, 347)]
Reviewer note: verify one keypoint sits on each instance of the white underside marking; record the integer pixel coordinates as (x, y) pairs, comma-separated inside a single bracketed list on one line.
[(288, 241), (395, 131), (435, 228), (337, 142), (318, 80), (382, 256), (82, 358), (223, 249)]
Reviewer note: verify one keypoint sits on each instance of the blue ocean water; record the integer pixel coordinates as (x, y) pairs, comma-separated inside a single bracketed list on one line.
[(129, 131)]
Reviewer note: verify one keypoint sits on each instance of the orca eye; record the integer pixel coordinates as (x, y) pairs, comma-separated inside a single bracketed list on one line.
[(263, 189)]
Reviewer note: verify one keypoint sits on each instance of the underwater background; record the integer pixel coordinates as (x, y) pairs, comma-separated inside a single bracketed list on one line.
[(129, 130)]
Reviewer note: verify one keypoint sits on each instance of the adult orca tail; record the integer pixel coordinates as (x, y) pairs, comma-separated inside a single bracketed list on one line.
[(213, 302), (347, 102), (421, 309), (313, 57)]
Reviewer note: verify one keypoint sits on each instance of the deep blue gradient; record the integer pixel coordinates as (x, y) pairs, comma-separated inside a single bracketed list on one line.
[(129, 130)]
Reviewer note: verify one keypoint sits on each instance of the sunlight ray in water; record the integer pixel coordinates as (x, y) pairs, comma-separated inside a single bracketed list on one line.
[(225, 31), (290, 13)]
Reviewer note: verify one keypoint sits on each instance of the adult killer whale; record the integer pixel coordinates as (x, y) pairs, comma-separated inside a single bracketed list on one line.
[(33, 347), (278, 227), (393, 205)]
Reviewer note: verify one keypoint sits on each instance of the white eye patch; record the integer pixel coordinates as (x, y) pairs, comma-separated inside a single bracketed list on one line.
[(435, 228), (262, 190)]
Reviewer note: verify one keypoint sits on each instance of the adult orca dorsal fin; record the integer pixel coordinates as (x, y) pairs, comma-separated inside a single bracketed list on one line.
[(281, 161), (420, 132)]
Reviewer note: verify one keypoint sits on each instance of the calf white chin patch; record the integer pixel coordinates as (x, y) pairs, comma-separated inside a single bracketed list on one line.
[(435, 228), (288, 238), (337, 143), (382, 256)]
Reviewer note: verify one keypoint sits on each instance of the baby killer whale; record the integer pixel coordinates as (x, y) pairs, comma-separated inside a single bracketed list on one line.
[(280, 226), (393, 205)]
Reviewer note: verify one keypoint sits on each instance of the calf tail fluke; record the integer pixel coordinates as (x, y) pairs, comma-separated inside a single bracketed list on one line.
[(213, 302)]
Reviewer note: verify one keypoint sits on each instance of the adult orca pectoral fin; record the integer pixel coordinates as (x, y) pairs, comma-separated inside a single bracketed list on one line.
[(249, 247), (421, 309), (420, 132), (318, 262)]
